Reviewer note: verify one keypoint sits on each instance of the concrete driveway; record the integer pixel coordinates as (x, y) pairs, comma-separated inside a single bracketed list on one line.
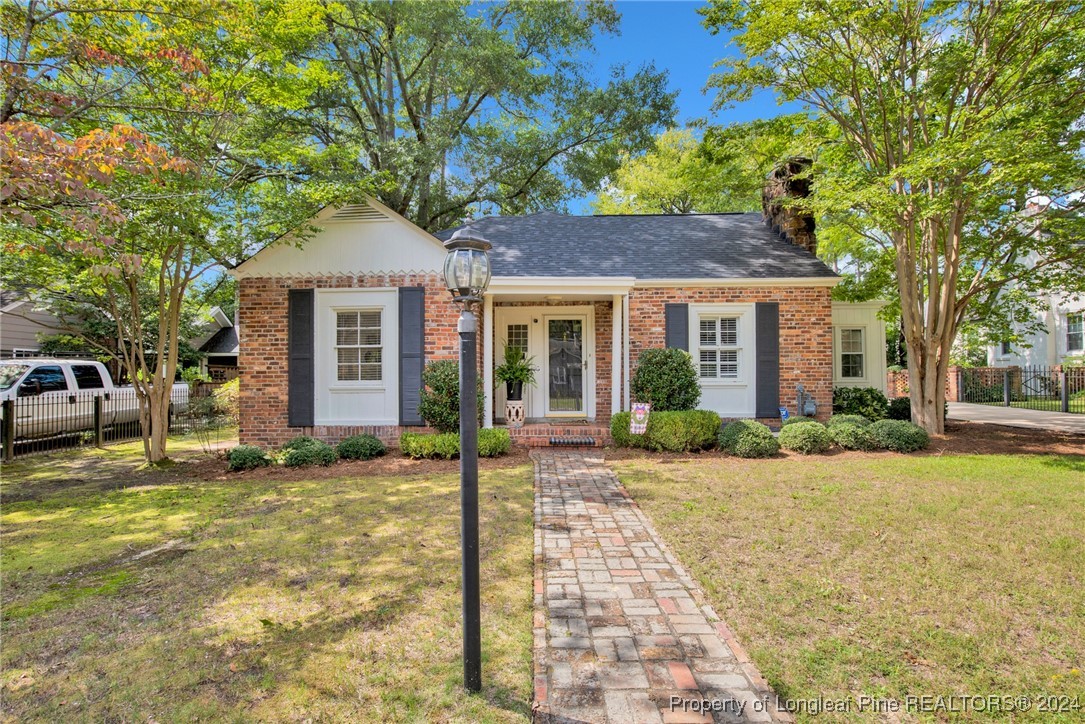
[(1018, 417)]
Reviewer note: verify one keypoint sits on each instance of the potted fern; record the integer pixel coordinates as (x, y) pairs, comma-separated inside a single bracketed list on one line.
[(516, 371)]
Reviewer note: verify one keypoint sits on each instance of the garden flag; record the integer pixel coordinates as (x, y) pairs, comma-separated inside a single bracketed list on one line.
[(638, 421), (783, 413)]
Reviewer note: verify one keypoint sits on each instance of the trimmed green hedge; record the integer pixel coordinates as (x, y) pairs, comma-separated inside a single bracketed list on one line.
[(446, 445), (810, 438), (748, 439), (853, 436), (869, 402), (359, 447), (309, 453), (848, 420), (666, 379), (671, 431), (247, 457), (299, 441), (796, 420), (899, 436)]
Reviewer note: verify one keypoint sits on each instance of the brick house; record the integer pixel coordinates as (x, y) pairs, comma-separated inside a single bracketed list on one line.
[(334, 334)]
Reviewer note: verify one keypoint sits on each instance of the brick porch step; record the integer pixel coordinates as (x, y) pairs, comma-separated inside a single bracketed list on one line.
[(560, 435)]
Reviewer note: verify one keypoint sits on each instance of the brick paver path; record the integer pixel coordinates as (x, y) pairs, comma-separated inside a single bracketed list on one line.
[(622, 633)]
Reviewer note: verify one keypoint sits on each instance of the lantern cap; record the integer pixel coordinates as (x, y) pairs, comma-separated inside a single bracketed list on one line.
[(467, 238)]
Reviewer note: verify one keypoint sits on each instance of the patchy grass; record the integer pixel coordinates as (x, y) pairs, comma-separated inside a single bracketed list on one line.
[(887, 576), (333, 598)]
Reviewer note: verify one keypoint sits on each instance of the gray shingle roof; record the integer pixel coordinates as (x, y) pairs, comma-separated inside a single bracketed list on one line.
[(701, 246), (223, 341)]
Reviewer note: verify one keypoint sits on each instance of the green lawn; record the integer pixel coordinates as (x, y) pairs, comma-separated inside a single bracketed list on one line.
[(887, 575), (1077, 405), (326, 598)]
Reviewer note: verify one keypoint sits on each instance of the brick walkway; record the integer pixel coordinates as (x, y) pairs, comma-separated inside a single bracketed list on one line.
[(622, 633)]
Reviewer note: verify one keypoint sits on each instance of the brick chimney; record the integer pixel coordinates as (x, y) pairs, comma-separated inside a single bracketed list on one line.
[(794, 224)]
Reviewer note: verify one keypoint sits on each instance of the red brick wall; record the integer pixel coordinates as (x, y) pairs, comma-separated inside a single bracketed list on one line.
[(806, 337), (262, 361)]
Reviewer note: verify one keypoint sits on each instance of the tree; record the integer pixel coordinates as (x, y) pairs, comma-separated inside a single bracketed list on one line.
[(457, 107), (130, 235), (950, 141)]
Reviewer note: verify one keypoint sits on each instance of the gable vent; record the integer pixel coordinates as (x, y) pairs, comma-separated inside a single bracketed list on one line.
[(358, 212)]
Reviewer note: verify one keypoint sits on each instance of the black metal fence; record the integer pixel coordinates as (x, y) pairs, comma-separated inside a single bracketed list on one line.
[(58, 420), (1055, 389)]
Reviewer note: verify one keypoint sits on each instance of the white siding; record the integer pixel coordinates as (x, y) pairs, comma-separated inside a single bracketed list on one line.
[(19, 329), (864, 316)]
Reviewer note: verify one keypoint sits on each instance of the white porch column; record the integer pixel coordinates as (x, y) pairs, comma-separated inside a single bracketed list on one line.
[(488, 361), (625, 351), (616, 353)]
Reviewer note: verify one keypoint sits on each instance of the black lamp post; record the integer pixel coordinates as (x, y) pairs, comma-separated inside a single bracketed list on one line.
[(467, 273)]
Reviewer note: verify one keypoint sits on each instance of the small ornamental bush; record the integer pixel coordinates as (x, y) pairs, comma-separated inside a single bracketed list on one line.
[(900, 408), (247, 457), (493, 442), (439, 403), (748, 439), (666, 379), (674, 431), (852, 436), (899, 436), (314, 453), (848, 420), (810, 438), (299, 441), (796, 420), (227, 400), (359, 447), (869, 402)]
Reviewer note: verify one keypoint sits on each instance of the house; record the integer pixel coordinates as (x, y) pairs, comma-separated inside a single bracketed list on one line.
[(219, 345), (20, 325), (334, 335), (1060, 339)]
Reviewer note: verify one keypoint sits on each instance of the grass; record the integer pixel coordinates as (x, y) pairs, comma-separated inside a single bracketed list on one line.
[(887, 575), (329, 599), (1077, 405)]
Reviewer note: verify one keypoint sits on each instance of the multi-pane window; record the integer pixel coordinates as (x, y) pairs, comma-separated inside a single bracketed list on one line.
[(1075, 332), (358, 346), (719, 348), (851, 353), (517, 337)]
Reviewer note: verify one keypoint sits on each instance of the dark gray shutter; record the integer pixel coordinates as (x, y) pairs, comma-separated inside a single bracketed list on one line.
[(300, 365), (677, 326), (412, 352), (768, 359)]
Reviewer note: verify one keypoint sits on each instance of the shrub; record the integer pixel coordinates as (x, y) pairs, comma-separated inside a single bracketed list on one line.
[(810, 438), (227, 399), (748, 439), (672, 431), (439, 405), (848, 420), (418, 445), (900, 408), (299, 441), (869, 402), (493, 442), (359, 447), (666, 379), (312, 453), (796, 420), (247, 457), (852, 436), (899, 436)]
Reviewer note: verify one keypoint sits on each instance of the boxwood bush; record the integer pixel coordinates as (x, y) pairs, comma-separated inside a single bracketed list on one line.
[(299, 441), (359, 447), (796, 420), (853, 436), (666, 379), (312, 453), (810, 438), (446, 445), (869, 402), (899, 436), (848, 420), (247, 457), (671, 431), (439, 404), (748, 439)]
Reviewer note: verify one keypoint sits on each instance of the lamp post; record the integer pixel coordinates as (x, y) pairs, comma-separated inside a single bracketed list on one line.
[(467, 273)]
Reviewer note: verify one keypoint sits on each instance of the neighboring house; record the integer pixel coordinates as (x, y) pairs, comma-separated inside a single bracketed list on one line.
[(1062, 337), (20, 325), (219, 345), (334, 336)]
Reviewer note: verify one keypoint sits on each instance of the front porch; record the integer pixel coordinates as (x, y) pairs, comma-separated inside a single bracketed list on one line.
[(575, 331)]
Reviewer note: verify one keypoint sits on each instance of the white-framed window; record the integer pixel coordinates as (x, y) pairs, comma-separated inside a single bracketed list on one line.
[(358, 348), (1075, 332), (852, 355), (718, 348), (1005, 348)]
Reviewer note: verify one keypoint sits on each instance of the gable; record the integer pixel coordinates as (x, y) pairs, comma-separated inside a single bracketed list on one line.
[(365, 238)]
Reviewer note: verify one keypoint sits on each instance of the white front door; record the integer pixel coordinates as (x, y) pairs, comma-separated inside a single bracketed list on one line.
[(565, 365)]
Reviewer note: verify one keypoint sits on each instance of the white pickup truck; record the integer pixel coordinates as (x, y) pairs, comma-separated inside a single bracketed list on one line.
[(56, 396)]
